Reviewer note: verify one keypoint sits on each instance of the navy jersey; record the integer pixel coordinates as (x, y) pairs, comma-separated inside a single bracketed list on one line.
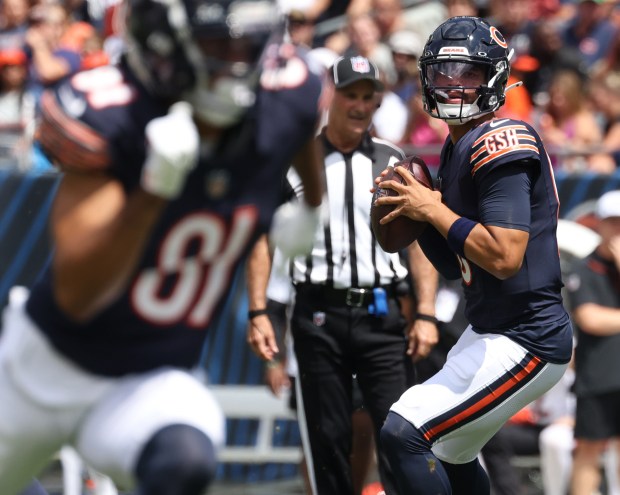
[(527, 306), (96, 121)]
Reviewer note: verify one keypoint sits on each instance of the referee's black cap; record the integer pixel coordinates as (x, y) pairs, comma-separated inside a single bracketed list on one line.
[(347, 70)]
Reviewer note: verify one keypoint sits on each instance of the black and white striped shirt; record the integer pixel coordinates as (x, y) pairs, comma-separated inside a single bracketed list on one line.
[(345, 252)]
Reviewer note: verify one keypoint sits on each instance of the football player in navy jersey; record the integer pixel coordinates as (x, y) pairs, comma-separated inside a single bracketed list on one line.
[(172, 166), (492, 223)]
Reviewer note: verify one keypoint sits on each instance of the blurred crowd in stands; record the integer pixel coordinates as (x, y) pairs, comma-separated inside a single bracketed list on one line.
[(41, 43), (566, 53)]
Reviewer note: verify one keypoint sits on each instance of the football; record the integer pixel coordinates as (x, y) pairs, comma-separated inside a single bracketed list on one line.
[(401, 231)]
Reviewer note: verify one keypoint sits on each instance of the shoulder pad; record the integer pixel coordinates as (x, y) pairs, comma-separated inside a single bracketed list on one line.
[(503, 141), (67, 140)]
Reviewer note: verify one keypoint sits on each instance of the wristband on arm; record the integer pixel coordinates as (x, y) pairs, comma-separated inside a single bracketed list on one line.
[(253, 313), (425, 317), (457, 235)]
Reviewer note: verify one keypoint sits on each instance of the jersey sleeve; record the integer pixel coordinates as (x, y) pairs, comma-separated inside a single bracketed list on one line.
[(501, 142), (94, 123), (505, 196), (67, 140)]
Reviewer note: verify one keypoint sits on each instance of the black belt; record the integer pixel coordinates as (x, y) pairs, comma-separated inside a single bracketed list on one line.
[(354, 297)]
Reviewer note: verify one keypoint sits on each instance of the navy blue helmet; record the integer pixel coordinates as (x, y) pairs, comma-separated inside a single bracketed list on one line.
[(464, 70), (205, 52)]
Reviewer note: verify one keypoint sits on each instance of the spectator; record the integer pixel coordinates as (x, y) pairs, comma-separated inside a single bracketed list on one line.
[(364, 40), (112, 30), (16, 109), (546, 9), (406, 47), (590, 32), (594, 289), (322, 10), (300, 28), (422, 17), (347, 317), (425, 133), (418, 130), (421, 130), (13, 23), (568, 125), (557, 444), (84, 39), (605, 99), (609, 64), (518, 100), (547, 56), (514, 21), (388, 15), (50, 62), (461, 7), (390, 120)]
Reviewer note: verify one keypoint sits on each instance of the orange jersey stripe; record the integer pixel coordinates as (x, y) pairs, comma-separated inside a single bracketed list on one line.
[(70, 142), (490, 158), (486, 400)]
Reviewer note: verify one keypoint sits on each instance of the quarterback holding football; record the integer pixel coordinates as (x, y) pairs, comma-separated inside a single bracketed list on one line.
[(491, 222)]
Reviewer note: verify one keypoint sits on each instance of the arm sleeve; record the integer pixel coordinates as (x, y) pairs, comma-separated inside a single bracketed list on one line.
[(505, 196), (436, 249)]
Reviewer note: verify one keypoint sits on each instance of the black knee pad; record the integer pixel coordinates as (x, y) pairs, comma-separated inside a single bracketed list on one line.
[(416, 469), (398, 434), (177, 460), (468, 479)]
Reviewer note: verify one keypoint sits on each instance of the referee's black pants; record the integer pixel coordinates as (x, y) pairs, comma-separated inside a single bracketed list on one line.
[(332, 342)]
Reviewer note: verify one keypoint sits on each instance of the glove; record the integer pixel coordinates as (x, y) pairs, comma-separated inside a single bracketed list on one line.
[(294, 227), (172, 152)]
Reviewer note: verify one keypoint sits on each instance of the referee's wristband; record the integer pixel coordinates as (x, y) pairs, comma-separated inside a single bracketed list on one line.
[(253, 313), (423, 317)]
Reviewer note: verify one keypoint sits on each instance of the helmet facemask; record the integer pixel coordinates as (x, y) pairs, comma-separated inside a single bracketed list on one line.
[(231, 54), (464, 70), (211, 54), (459, 91)]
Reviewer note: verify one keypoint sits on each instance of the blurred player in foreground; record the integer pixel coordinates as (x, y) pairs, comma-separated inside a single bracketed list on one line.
[(159, 201), (493, 223)]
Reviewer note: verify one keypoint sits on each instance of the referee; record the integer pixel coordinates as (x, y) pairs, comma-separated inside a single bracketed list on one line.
[(347, 317)]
